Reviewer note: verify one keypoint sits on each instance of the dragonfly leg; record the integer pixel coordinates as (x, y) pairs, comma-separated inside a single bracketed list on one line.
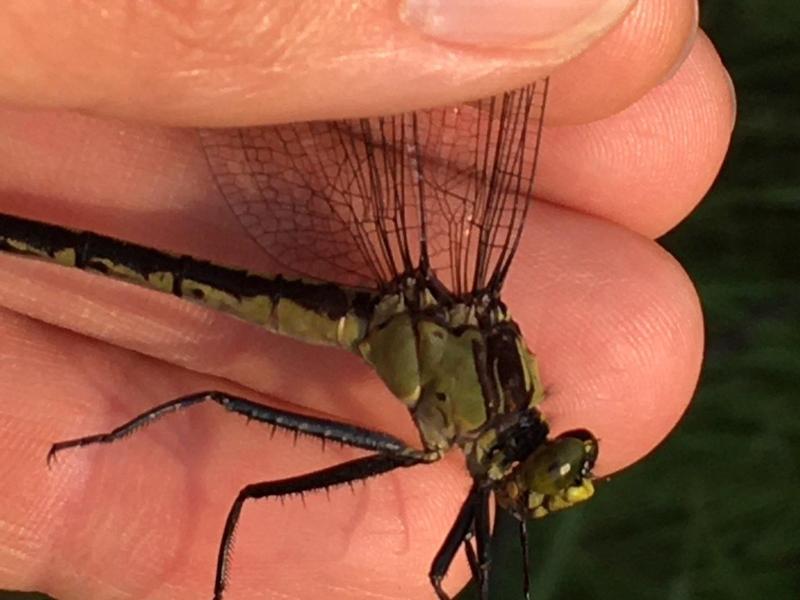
[(460, 533), (345, 473), (483, 540), (324, 429), (477, 567), (472, 557), (523, 541)]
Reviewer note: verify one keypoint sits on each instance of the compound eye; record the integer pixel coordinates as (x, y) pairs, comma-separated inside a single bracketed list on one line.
[(583, 435), (590, 448), (559, 470)]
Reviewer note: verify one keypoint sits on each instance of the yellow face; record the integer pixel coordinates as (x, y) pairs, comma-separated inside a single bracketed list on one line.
[(556, 476)]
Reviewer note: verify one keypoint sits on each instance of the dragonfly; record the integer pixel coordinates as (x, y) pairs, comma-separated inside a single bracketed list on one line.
[(398, 233)]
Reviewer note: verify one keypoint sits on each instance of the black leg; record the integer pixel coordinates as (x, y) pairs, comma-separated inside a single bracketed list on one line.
[(324, 429), (483, 540), (472, 558), (459, 533), (526, 577), (347, 472)]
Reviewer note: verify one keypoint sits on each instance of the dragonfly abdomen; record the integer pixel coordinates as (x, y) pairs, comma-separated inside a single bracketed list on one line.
[(312, 311)]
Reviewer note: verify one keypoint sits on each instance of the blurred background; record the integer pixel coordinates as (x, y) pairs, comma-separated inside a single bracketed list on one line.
[(713, 513)]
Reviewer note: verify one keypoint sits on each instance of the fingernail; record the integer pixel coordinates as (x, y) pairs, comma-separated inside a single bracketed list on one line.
[(687, 46), (734, 104), (512, 22)]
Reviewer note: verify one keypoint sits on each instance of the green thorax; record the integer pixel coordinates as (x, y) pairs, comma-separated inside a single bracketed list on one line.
[(461, 368)]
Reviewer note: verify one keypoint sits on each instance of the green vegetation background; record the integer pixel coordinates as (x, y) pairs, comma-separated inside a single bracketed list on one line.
[(713, 513)]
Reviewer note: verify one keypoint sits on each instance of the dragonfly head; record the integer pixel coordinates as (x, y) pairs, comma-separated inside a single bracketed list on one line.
[(555, 476)]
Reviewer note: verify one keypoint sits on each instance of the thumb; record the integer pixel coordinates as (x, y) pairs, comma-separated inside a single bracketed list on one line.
[(243, 62)]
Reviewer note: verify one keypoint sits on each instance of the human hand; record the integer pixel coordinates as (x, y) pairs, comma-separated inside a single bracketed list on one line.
[(614, 321)]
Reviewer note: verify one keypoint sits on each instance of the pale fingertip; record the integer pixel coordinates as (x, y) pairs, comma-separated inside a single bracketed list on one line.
[(734, 108), (514, 22), (688, 44), (653, 40)]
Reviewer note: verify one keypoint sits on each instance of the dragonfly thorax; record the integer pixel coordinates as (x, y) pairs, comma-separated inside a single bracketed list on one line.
[(457, 366)]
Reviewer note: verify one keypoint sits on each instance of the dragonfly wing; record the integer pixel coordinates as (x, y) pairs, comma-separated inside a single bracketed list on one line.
[(361, 201)]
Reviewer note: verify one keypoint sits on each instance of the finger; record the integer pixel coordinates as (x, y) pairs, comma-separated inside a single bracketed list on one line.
[(183, 334), (644, 49), (252, 62), (143, 518), (617, 325), (559, 245), (648, 166), (614, 322)]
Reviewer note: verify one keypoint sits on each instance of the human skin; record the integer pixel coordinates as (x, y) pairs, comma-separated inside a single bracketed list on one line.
[(637, 129)]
